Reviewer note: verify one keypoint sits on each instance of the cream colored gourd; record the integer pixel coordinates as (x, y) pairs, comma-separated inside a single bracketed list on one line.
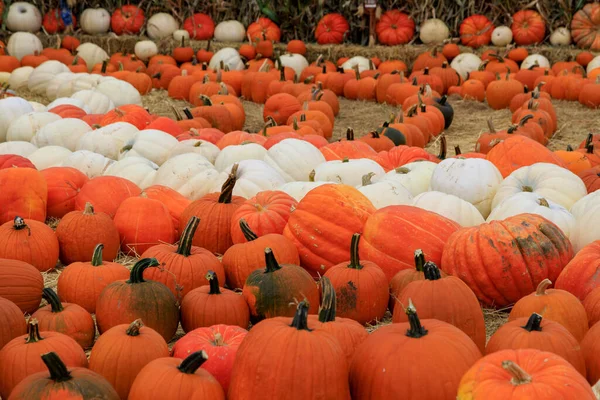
[(23, 149), (465, 63), (253, 176), (297, 62), (27, 125), (233, 154), (161, 25), (181, 34), (299, 189), (37, 107), (49, 156), (361, 62), (42, 75), (90, 163), (348, 172), (65, 132), (204, 148), (95, 21), (294, 159), (98, 102), (151, 144), (434, 30), (19, 77), (108, 140), (229, 57), (21, 44), (502, 36), (414, 176), (23, 17), (561, 37), (61, 86), (535, 60), (138, 170), (385, 192), (92, 54), (449, 206), (120, 92), (145, 49), (584, 204), (11, 108), (190, 174), (230, 31)]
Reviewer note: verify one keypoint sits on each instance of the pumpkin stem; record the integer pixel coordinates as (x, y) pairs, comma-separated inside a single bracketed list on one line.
[(443, 148), (402, 170), (187, 236), (89, 209), (137, 272), (97, 255), (300, 320), (375, 134), (416, 330), (349, 134), (533, 323), (134, 328), (519, 376), (206, 101), (52, 298), (542, 286), (219, 340), (543, 202), (569, 147), (457, 151), (247, 231), (490, 125), (327, 309), (589, 139), (19, 223), (431, 271), (192, 362), (213, 281), (33, 331), (419, 260), (227, 188), (526, 188), (104, 66), (311, 176), (57, 368), (443, 99), (366, 179), (354, 259), (271, 263)]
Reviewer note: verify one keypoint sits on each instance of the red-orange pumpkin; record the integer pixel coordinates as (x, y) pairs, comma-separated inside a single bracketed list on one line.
[(30, 241), (106, 193), (21, 283), (13, 321), (28, 201), (64, 184)]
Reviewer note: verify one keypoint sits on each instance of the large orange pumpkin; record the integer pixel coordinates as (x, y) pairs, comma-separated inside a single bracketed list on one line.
[(18, 199), (106, 193), (584, 27), (31, 241), (21, 283), (13, 321), (64, 184), (580, 275), (528, 27)]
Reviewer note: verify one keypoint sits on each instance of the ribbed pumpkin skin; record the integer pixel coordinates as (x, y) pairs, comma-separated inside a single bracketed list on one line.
[(221, 350), (528, 247), (390, 365), (79, 232), (552, 378), (107, 357), (580, 276), (590, 346), (552, 337), (19, 359), (13, 321), (349, 333), (22, 284), (592, 306), (106, 193), (30, 241), (323, 223), (414, 227), (64, 184), (174, 201), (27, 201)]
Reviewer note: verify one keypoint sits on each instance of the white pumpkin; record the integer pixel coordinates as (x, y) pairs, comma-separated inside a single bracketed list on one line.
[(549, 181), (253, 176), (65, 132), (348, 172), (532, 203), (230, 31), (152, 144), (21, 44), (472, 179), (92, 54), (449, 206), (434, 30), (108, 140), (561, 37), (294, 159), (230, 58), (19, 77), (502, 36), (94, 21), (53, 87), (23, 149), (585, 204), (297, 62), (299, 189), (120, 92), (361, 62), (38, 107), (23, 17), (202, 147), (90, 163), (465, 63), (181, 34), (232, 154), (61, 101), (161, 25), (595, 63), (11, 108), (85, 82), (414, 176), (42, 75), (385, 193), (27, 125), (49, 156), (138, 170), (535, 60), (190, 174), (98, 102), (145, 49), (586, 229)]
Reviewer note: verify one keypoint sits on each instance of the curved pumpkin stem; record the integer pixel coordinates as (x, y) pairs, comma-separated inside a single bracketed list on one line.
[(519, 376), (366, 179), (543, 202), (192, 362), (187, 236), (89, 209), (431, 271), (533, 323), (247, 231), (52, 298), (300, 320), (327, 309), (416, 330), (542, 286), (134, 328), (271, 263), (354, 259), (97, 256), (227, 188), (137, 272), (419, 260), (213, 281), (33, 331), (57, 368)]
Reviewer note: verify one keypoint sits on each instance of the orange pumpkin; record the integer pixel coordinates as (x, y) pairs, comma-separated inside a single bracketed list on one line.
[(30, 241), (105, 193), (27, 201)]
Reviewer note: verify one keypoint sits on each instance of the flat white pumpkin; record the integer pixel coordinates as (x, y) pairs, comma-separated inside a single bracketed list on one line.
[(299, 189), (19, 77), (27, 125), (385, 193), (138, 170), (294, 159), (23, 149), (190, 174), (41, 76), (230, 58), (230, 31), (297, 62), (151, 144), (90, 163), (52, 87), (232, 154), (11, 108), (23, 17), (472, 179), (49, 156), (348, 172), (535, 60), (253, 176), (161, 25), (414, 176), (85, 82), (197, 146), (65, 132), (108, 140), (449, 206), (363, 63), (37, 107), (547, 180), (98, 102), (465, 63), (120, 92)]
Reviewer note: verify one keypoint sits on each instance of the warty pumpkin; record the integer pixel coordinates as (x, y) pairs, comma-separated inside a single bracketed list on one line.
[(13, 324), (30, 241), (21, 283)]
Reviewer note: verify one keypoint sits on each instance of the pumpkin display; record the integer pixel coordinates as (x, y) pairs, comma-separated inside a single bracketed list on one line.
[(584, 27), (14, 321), (485, 246), (579, 275), (126, 300), (262, 351), (270, 292), (476, 31), (68, 318), (528, 27), (397, 349), (144, 342), (331, 29), (30, 241), (21, 283), (220, 342), (75, 382), (394, 28), (27, 201)]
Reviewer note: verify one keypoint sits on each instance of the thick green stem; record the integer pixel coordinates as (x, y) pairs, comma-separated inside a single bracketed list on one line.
[(137, 272), (52, 298), (97, 256), (213, 281), (58, 370), (192, 362), (247, 231), (354, 259), (300, 320), (270, 261), (187, 236)]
